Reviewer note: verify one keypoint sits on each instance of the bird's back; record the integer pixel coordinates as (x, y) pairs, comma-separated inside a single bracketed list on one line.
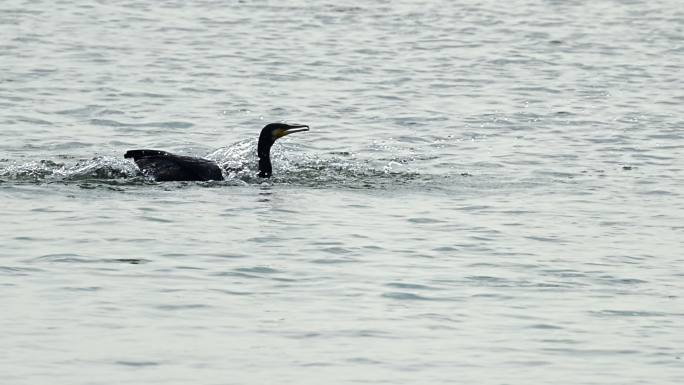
[(164, 166)]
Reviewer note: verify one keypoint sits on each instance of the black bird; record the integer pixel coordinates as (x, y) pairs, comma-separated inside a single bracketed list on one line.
[(164, 166)]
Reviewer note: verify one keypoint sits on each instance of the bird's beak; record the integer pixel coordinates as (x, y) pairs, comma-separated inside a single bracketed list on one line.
[(291, 129)]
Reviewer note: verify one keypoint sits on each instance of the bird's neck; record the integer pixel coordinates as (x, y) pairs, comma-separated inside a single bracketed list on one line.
[(265, 169)]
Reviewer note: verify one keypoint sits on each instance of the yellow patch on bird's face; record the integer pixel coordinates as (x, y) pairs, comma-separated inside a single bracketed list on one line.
[(279, 133)]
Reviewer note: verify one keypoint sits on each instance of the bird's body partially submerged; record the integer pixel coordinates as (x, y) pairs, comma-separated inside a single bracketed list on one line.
[(164, 166)]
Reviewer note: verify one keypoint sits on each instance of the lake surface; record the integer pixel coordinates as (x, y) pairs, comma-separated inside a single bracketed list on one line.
[(490, 193)]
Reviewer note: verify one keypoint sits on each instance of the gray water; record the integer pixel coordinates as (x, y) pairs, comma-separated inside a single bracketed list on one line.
[(490, 193)]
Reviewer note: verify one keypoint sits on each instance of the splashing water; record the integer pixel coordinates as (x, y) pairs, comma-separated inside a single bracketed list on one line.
[(239, 163), (101, 168)]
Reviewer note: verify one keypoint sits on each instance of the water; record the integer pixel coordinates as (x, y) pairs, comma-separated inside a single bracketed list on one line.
[(490, 193)]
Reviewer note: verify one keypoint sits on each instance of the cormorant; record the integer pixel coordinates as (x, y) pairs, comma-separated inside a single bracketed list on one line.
[(164, 166)]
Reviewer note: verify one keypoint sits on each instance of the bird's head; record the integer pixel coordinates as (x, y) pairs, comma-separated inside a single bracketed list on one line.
[(271, 132)]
